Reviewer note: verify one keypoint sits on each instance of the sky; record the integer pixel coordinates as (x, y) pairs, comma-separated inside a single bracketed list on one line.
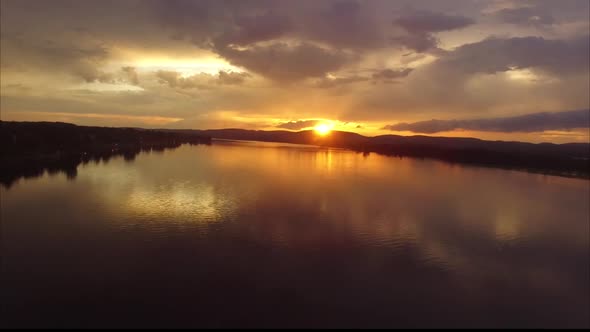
[(499, 70)]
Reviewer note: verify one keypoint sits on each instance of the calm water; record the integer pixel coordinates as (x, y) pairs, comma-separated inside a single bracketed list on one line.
[(261, 235)]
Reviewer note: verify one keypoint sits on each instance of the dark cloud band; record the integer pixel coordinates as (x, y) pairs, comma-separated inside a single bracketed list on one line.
[(535, 122), (298, 125)]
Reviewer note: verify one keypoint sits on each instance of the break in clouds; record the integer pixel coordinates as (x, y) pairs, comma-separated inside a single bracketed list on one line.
[(252, 64)]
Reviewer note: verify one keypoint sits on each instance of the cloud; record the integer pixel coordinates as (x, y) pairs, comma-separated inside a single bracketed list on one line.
[(420, 25), (283, 62), (425, 21), (202, 80), (344, 24), (293, 59), (230, 78), (81, 61), (327, 83), (487, 77), (187, 19), (391, 74), (256, 28), (535, 122), (175, 80), (524, 16), (338, 24), (496, 54), (61, 53), (419, 43), (131, 74), (90, 73), (298, 125), (17, 88)]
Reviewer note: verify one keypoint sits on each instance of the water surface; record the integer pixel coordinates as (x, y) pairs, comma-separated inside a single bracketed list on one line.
[(244, 234)]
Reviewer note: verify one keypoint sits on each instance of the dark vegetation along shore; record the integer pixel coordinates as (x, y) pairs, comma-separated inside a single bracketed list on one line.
[(28, 149)]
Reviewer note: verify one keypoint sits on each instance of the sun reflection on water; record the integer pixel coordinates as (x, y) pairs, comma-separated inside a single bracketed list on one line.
[(190, 203)]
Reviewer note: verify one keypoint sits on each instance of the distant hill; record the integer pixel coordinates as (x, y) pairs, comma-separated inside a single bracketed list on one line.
[(570, 159), (17, 138), (354, 140)]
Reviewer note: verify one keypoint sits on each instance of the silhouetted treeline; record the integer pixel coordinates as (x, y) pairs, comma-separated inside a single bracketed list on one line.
[(31, 148), (28, 149), (538, 163)]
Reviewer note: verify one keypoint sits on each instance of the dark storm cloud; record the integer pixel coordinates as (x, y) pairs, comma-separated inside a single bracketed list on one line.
[(420, 26), (391, 74), (425, 21), (534, 122), (524, 16), (235, 30), (495, 54), (298, 125), (344, 24), (419, 43), (252, 29), (193, 20), (283, 62)]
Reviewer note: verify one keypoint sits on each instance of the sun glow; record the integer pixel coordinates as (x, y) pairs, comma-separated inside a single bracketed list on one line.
[(323, 129), (187, 67), (523, 75)]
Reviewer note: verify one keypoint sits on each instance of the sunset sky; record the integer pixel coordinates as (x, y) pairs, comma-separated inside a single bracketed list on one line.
[(508, 70)]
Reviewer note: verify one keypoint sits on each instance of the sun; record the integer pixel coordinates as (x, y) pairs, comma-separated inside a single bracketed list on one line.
[(323, 129)]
